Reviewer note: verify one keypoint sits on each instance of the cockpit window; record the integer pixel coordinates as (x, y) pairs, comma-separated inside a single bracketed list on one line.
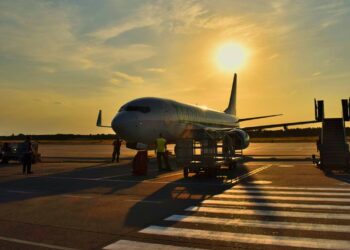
[(143, 109)]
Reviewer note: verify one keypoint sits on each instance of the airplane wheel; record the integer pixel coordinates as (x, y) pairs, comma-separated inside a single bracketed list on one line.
[(186, 171)]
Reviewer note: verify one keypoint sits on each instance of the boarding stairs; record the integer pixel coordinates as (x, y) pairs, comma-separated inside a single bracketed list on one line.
[(333, 147)]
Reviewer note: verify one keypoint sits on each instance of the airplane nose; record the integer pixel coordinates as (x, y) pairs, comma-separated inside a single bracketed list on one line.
[(126, 125)]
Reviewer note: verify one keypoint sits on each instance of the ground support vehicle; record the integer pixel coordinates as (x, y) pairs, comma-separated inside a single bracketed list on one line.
[(16, 150), (206, 152)]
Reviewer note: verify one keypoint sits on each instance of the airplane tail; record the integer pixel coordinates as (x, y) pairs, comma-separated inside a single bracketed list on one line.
[(231, 109)]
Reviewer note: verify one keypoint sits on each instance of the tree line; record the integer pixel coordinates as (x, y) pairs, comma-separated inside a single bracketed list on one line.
[(297, 132)]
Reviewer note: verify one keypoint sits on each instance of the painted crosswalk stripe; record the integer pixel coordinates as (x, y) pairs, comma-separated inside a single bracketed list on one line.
[(312, 193), (247, 238), (137, 245), (271, 204), (232, 211), (292, 188), (259, 223), (284, 198)]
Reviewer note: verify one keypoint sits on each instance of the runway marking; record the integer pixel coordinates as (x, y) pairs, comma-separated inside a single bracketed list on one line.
[(258, 223), (144, 201), (285, 166), (167, 175), (248, 238), (261, 182), (71, 178), (284, 198), (136, 245), (113, 176), (293, 188), (34, 243), (77, 196), (230, 182), (255, 212), (18, 191), (239, 178), (122, 175), (270, 205), (268, 192)]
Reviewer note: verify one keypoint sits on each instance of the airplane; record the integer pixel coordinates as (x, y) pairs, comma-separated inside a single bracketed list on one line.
[(140, 121)]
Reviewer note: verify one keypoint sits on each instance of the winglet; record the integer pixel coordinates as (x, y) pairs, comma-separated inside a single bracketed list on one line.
[(99, 120), (231, 109)]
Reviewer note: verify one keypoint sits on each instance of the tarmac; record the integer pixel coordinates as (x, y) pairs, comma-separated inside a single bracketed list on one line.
[(78, 199)]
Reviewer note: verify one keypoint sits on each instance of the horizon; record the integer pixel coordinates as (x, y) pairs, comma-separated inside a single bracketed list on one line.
[(63, 61)]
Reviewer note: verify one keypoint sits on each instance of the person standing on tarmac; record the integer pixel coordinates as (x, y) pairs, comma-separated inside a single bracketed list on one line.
[(27, 156), (162, 153), (116, 149)]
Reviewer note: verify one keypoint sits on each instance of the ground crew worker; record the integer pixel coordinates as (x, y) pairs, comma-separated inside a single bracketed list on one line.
[(27, 156), (162, 153), (116, 149)]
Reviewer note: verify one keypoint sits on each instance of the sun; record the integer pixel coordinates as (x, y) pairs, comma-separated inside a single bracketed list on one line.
[(231, 56)]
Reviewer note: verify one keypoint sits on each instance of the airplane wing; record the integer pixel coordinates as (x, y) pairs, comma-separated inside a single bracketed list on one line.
[(284, 125), (257, 117)]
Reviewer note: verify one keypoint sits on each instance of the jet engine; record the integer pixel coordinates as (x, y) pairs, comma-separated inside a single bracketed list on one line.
[(240, 138)]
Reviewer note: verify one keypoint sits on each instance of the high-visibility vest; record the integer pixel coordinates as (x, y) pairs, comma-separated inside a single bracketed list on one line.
[(161, 142)]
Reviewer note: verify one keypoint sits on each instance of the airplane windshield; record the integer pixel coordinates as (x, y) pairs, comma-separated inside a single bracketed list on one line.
[(142, 109)]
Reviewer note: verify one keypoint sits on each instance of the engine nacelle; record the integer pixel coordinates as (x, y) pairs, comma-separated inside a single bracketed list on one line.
[(240, 138)]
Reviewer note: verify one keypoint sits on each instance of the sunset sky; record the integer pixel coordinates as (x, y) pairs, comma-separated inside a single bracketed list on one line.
[(62, 61)]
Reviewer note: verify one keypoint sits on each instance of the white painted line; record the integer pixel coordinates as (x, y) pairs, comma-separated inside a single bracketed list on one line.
[(71, 178), (239, 178), (233, 211), (248, 238), (25, 242), (19, 192), (144, 201), (149, 181), (122, 175), (265, 192), (285, 166), (271, 205), (283, 198), (168, 175), (261, 182), (77, 196), (113, 176), (292, 188), (136, 245), (258, 223)]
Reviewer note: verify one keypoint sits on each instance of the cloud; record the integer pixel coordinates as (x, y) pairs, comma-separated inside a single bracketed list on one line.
[(156, 70), (176, 16), (114, 31), (46, 35), (119, 77), (273, 56), (47, 69)]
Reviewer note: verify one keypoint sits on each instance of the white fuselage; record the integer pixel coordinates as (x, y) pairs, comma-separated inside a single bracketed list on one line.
[(143, 119)]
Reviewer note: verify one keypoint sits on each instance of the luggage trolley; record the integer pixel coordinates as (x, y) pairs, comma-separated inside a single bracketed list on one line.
[(205, 153)]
